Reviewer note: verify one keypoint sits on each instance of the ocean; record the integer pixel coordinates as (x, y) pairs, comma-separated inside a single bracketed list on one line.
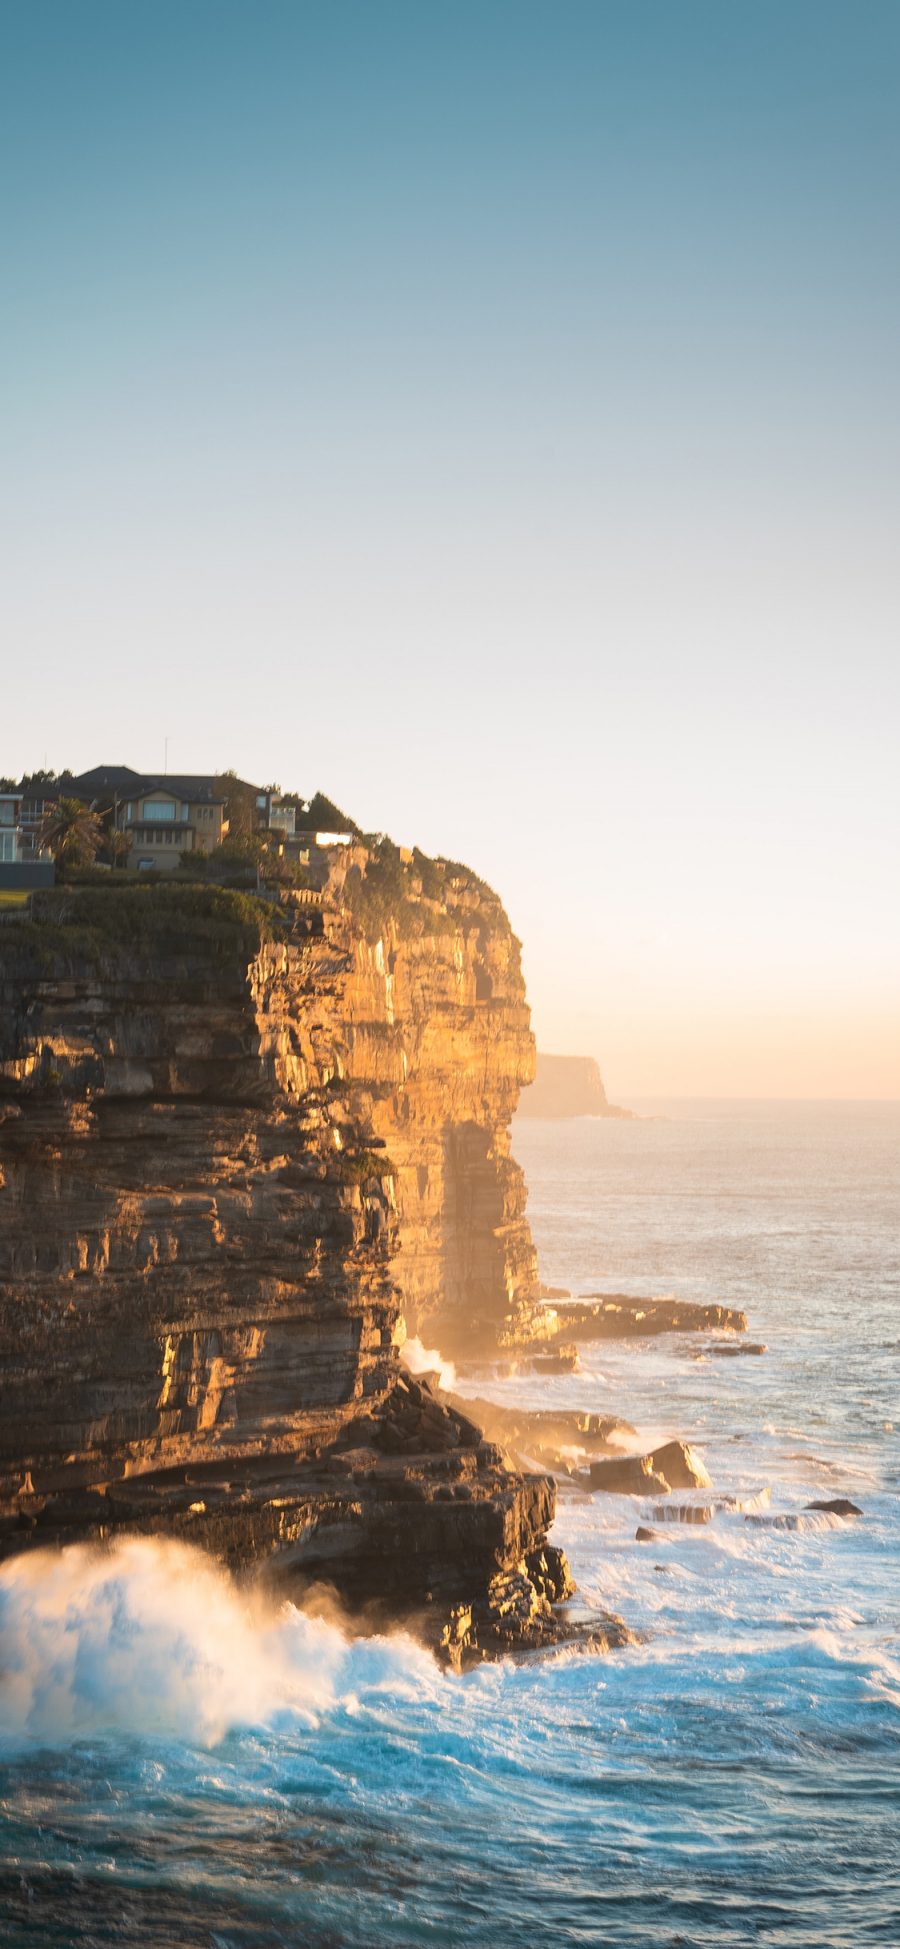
[(177, 1770)]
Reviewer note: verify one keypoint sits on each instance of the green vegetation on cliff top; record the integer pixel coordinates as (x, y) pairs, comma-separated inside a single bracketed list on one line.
[(415, 895), (95, 916), (91, 923)]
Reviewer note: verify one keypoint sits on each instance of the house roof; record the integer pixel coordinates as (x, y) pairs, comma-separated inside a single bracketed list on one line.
[(104, 778), (198, 787)]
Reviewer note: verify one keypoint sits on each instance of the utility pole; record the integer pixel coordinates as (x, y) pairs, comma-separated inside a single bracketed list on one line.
[(165, 757)]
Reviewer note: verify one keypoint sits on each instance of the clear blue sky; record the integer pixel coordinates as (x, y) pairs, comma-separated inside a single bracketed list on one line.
[(489, 414)]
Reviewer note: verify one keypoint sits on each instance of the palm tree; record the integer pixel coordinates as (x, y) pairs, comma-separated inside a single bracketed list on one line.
[(117, 846), (72, 833)]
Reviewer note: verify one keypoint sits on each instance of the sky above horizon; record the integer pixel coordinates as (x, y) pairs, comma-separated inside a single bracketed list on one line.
[(488, 414)]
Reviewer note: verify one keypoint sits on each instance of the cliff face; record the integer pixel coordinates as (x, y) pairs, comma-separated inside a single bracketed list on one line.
[(448, 1010), (228, 1165)]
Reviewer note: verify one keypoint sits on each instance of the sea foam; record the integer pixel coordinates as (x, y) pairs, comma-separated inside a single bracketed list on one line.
[(153, 1638)]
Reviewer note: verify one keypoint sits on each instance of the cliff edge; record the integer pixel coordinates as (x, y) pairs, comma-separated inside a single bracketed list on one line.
[(240, 1141)]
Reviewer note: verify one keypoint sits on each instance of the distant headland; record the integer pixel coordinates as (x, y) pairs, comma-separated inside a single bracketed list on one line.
[(568, 1086)]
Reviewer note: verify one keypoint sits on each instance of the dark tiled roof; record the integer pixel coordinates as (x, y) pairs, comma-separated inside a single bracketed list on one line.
[(105, 780), (197, 786)]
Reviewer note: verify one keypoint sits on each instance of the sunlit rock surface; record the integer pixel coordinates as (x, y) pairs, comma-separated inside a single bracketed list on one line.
[(238, 1144)]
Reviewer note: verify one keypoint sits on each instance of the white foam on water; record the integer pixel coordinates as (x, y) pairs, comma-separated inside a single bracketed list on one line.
[(420, 1359), (152, 1637), (799, 1521)]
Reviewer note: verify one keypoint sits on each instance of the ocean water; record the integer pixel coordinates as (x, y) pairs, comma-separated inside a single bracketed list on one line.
[(177, 1768)]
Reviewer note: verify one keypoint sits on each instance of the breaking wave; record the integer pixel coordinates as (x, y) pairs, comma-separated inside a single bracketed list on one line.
[(152, 1638), (427, 1360)]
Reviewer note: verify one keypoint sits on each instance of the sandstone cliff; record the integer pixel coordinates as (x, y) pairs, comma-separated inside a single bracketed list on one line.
[(238, 1141)]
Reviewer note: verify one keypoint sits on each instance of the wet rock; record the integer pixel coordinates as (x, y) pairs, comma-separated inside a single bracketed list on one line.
[(644, 1535), (837, 1506), (515, 1613), (519, 1614), (556, 1438), (729, 1349), (683, 1512), (680, 1466), (562, 1359), (673, 1466), (804, 1520), (627, 1475), (609, 1633), (549, 1570), (617, 1316)]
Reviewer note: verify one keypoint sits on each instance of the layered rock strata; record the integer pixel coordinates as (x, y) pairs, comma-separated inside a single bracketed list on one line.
[(238, 1142), (556, 1439)]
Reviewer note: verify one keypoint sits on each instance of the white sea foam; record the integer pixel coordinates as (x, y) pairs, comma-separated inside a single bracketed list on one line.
[(764, 1655), (427, 1360), (799, 1521), (151, 1637)]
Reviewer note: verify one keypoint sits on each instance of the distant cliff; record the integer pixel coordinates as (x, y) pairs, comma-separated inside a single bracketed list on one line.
[(567, 1086), (239, 1140)]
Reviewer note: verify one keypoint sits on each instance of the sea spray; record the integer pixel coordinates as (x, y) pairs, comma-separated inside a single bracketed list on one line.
[(732, 1778), (151, 1637), (427, 1360)]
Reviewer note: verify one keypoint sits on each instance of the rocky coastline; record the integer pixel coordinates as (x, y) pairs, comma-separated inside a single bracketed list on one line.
[(247, 1145), (241, 1143)]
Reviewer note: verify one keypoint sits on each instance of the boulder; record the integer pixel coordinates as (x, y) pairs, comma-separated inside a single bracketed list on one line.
[(644, 1535), (680, 1466), (732, 1349), (628, 1475), (561, 1359), (838, 1506)]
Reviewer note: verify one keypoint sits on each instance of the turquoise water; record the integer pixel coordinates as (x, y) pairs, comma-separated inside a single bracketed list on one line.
[(176, 1771)]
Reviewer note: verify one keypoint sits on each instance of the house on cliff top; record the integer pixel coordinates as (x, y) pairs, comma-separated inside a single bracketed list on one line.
[(21, 867), (162, 817)]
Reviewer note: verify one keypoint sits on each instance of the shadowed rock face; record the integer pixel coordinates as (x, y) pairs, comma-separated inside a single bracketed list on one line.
[(227, 1166)]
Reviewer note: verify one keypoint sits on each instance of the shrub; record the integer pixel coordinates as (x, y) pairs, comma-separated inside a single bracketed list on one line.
[(356, 1166), (90, 923)]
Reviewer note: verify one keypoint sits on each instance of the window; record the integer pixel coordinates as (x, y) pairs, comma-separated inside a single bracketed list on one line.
[(159, 809), (8, 848)]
